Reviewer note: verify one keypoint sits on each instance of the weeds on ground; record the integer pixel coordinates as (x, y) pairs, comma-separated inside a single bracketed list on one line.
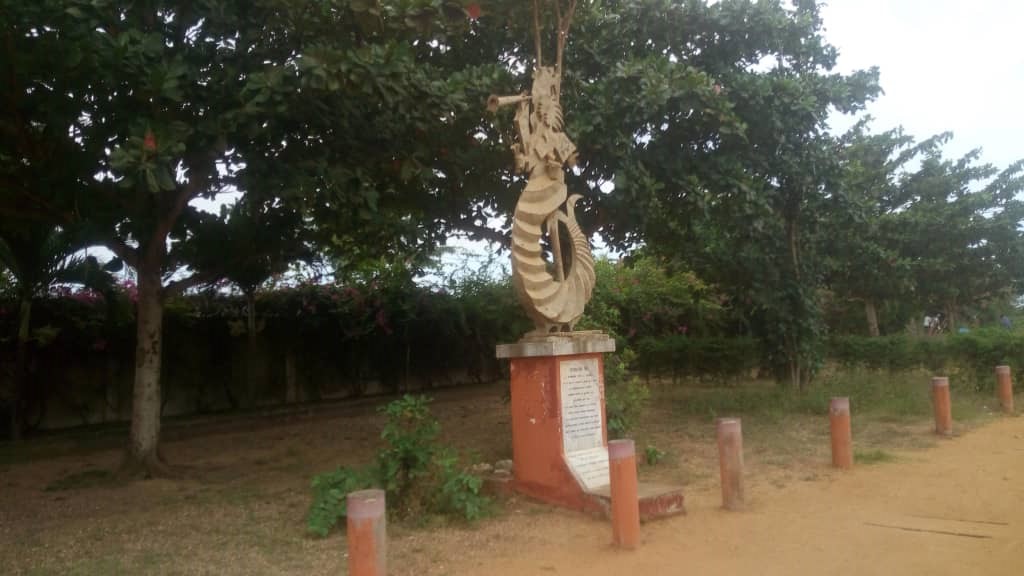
[(653, 455), (875, 456), (84, 479), (419, 475), (877, 393)]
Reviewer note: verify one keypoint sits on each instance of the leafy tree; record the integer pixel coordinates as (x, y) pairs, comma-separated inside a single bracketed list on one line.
[(916, 234), (6, 283), (960, 230), (724, 160), (719, 155), (122, 113), (641, 297), (260, 240), (863, 220), (38, 256)]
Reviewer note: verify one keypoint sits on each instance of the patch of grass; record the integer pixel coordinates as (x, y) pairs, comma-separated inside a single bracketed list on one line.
[(875, 456), (241, 495), (971, 407), (113, 564), (880, 394), (783, 428), (79, 480), (653, 455), (49, 445), (103, 565)]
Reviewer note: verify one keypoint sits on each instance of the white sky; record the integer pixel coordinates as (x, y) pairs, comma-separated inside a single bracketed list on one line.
[(946, 65)]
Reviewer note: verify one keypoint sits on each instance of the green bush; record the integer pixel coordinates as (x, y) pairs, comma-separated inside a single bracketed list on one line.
[(653, 455), (716, 358), (650, 299), (625, 401), (969, 359), (329, 492), (419, 475), (893, 393)]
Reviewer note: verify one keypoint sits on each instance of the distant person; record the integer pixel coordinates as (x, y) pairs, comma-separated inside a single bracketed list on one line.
[(1005, 321)]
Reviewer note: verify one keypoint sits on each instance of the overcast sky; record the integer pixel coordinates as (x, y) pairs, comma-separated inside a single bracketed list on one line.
[(946, 65)]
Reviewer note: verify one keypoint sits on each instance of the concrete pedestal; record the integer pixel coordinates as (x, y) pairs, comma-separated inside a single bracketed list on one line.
[(559, 424)]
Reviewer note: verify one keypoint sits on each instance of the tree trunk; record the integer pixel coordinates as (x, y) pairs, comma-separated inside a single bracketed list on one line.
[(291, 387), (112, 389), (251, 351), (796, 372), (21, 375), (143, 456), (951, 318), (792, 342), (872, 314)]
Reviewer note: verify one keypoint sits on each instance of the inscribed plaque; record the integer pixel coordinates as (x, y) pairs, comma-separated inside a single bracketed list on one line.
[(583, 422)]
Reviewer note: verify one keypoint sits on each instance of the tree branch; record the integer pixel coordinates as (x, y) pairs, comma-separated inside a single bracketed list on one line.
[(185, 194), (565, 24), (536, 33), (129, 255), (22, 205), (563, 30), (179, 287), (484, 233)]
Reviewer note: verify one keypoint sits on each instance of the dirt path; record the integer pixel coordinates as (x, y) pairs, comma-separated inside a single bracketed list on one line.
[(241, 509), (957, 509)]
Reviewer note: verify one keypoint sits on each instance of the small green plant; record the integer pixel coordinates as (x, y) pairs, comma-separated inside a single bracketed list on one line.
[(410, 436), (653, 455), (417, 472), (625, 396), (78, 480), (875, 456), (460, 490), (329, 491)]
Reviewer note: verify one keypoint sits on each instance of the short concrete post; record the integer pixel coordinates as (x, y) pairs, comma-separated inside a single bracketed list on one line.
[(1004, 388), (367, 533), (625, 503), (730, 461), (943, 408), (839, 420)]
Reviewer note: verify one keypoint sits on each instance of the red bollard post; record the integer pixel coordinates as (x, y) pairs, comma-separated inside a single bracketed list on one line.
[(367, 533), (839, 420), (625, 503), (1004, 388), (730, 461), (943, 408)]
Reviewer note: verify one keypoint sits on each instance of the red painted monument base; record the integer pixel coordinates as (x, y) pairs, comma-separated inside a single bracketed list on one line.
[(559, 425)]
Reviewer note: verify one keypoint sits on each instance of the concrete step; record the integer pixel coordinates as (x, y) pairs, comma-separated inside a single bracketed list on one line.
[(656, 500)]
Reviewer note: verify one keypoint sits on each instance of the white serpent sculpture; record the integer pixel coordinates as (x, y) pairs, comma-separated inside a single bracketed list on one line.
[(553, 294)]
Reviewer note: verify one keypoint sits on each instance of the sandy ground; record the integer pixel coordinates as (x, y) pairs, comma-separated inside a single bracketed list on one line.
[(957, 509), (948, 507)]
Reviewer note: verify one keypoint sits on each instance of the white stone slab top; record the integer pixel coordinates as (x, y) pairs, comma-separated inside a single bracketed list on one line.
[(564, 344)]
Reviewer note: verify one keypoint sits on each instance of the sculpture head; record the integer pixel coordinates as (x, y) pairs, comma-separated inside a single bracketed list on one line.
[(545, 96)]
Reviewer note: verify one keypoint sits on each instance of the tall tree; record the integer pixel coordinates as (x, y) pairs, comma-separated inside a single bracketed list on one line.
[(136, 109), (960, 229), (261, 239), (719, 153), (38, 256), (862, 246)]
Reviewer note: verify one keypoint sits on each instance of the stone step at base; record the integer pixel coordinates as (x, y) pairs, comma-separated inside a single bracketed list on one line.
[(656, 500)]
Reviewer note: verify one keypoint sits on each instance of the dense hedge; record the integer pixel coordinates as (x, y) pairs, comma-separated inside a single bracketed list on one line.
[(716, 358), (311, 343), (971, 357), (317, 342)]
